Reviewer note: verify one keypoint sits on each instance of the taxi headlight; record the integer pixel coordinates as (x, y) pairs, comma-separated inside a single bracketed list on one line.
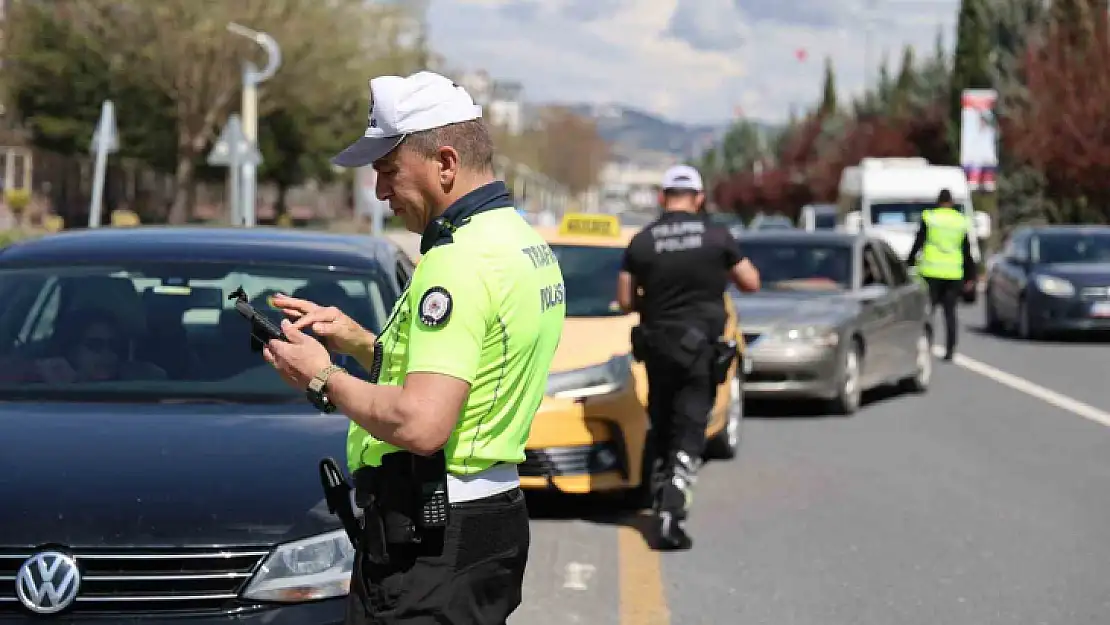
[(822, 335), (305, 570), (602, 379), (1056, 287)]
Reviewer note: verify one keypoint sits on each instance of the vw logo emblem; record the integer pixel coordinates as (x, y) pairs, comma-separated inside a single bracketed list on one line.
[(47, 583)]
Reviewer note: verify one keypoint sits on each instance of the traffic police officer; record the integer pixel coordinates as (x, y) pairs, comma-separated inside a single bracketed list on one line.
[(946, 263), (682, 262), (460, 369)]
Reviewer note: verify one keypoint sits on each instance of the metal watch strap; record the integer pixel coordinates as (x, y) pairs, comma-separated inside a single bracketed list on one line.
[(320, 380)]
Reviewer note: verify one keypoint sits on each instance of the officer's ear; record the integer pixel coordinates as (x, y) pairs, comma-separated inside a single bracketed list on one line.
[(447, 161), (699, 201)]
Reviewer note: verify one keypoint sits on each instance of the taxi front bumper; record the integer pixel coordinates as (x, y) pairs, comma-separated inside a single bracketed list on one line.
[(793, 371), (586, 445)]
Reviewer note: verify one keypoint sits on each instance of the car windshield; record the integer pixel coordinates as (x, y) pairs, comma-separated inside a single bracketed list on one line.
[(165, 332), (590, 275), (895, 213), (1073, 247), (801, 266)]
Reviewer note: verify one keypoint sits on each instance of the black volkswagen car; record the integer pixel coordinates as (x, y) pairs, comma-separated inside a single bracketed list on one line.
[(1051, 279), (153, 468)]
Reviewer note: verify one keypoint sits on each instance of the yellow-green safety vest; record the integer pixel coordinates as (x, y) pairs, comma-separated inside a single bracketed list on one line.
[(942, 257)]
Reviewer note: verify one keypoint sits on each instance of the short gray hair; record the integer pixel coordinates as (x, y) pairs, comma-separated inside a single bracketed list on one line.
[(470, 139)]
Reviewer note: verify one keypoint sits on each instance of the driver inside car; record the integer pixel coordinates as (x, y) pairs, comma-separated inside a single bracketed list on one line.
[(91, 347)]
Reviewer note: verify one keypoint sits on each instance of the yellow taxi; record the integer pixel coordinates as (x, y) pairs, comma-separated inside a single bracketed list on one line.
[(590, 435)]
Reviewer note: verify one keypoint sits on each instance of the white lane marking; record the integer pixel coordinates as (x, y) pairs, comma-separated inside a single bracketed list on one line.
[(577, 575), (1046, 395)]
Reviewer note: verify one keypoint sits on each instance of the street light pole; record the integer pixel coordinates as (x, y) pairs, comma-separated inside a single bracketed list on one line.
[(252, 77)]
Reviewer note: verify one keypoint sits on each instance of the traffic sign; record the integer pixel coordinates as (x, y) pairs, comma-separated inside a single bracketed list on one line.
[(232, 148)]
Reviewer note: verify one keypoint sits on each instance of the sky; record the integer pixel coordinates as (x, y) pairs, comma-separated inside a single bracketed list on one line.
[(692, 61)]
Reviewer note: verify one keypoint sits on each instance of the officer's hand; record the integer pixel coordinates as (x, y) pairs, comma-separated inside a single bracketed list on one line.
[(335, 329), (297, 360)]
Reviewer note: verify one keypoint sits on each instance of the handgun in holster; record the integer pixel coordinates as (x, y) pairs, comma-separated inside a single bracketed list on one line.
[(337, 494)]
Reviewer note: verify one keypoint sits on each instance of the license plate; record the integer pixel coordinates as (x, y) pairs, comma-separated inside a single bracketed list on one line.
[(1100, 309)]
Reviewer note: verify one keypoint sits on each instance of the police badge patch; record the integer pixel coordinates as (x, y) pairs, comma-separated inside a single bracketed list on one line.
[(435, 306)]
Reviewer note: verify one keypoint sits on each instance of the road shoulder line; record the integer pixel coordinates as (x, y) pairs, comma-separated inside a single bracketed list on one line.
[(1030, 388)]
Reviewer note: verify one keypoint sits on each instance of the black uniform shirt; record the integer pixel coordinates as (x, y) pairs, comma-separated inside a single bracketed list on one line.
[(682, 261)]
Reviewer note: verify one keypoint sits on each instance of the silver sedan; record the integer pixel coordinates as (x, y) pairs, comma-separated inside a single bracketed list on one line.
[(838, 314)]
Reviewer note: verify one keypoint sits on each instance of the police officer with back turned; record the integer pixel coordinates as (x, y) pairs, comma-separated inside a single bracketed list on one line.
[(946, 263), (682, 263), (456, 374)]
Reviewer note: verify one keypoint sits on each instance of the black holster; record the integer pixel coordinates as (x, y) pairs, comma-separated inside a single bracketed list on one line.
[(724, 352), (685, 347), (337, 494), (404, 499)]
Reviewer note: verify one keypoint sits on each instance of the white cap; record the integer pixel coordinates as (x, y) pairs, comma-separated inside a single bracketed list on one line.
[(682, 178), (400, 106)]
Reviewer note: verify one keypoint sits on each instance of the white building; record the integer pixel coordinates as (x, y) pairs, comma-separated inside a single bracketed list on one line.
[(506, 106), (479, 85)]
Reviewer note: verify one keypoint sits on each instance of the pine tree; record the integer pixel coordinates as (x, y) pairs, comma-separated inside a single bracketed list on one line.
[(903, 94), (828, 93)]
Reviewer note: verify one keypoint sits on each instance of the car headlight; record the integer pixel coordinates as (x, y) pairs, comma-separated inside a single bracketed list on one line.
[(822, 335), (1056, 287), (305, 570), (591, 381)]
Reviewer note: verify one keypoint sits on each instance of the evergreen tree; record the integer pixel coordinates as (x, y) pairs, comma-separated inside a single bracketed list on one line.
[(903, 96), (828, 94)]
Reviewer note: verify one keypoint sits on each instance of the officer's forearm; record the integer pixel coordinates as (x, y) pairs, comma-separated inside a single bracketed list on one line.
[(386, 412)]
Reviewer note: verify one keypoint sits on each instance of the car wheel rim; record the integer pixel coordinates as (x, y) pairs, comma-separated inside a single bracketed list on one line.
[(924, 359), (851, 376), (735, 413)]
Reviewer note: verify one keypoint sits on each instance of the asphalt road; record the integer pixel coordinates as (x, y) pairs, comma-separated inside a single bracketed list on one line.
[(981, 502)]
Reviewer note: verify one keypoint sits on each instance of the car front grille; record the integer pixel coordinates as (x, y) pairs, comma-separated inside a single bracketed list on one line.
[(125, 581), (1095, 293)]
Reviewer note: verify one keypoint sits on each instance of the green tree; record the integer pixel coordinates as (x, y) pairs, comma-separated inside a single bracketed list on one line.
[(828, 91), (173, 66), (902, 97)]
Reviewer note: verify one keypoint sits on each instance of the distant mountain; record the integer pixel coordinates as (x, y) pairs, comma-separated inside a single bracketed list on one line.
[(636, 134)]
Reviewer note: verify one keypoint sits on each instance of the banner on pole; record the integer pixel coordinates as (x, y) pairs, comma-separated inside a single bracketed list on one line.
[(979, 138)]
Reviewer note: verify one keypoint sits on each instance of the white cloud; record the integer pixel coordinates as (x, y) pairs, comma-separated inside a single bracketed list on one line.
[(692, 60)]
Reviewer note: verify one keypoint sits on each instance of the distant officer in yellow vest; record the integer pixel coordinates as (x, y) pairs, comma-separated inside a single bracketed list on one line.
[(945, 262)]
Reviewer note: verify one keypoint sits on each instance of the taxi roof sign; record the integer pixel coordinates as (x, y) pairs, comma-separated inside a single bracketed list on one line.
[(594, 225)]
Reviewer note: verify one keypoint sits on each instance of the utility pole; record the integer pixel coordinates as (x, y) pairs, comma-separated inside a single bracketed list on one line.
[(252, 77), (105, 141)]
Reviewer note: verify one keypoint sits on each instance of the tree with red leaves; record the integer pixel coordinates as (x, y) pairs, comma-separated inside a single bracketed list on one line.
[(1064, 129)]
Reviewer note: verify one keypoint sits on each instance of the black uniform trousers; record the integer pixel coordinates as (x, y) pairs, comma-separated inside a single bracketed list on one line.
[(469, 573), (679, 402), (946, 294)]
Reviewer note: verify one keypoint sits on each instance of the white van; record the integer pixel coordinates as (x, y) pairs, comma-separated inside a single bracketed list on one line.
[(886, 196)]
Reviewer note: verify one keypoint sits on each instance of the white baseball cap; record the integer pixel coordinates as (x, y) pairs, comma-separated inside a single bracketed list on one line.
[(682, 178), (400, 106)]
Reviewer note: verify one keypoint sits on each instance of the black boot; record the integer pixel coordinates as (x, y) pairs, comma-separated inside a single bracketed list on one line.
[(673, 500)]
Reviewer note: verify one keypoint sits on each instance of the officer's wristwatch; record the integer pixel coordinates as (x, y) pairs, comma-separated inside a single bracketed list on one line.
[(317, 388)]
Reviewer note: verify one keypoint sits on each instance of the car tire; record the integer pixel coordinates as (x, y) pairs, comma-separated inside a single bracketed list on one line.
[(1026, 330), (923, 374), (726, 444), (991, 321), (850, 393)]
